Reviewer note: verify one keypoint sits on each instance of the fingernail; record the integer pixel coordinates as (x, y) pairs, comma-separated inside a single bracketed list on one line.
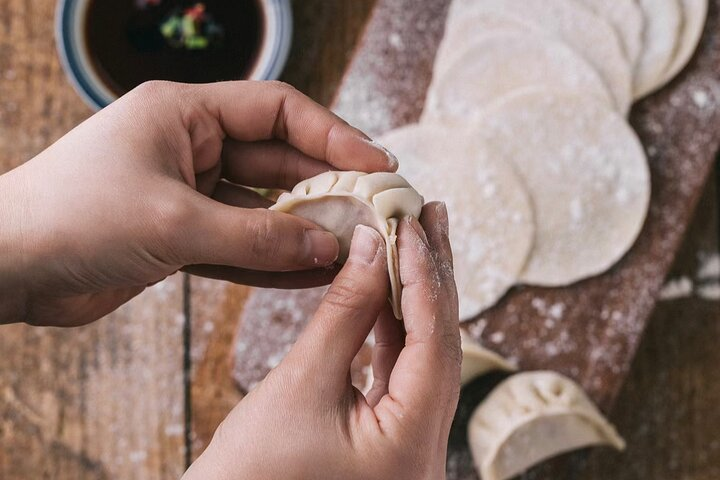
[(322, 247), (415, 225), (392, 160), (365, 244)]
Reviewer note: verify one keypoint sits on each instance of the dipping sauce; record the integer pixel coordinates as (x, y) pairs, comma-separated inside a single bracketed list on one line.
[(132, 41)]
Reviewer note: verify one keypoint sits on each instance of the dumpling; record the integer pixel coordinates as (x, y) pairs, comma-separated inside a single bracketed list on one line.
[(530, 417), (339, 201), (478, 360)]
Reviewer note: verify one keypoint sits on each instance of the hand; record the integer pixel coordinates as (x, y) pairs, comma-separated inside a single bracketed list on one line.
[(152, 184), (306, 421)]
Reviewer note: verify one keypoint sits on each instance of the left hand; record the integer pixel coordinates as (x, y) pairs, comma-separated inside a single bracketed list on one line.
[(154, 183)]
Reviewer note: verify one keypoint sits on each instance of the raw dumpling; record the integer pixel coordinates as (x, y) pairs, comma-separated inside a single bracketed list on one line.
[(478, 360), (339, 201), (531, 417)]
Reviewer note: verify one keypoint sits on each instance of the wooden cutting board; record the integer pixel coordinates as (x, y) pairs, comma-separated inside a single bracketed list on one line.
[(588, 331)]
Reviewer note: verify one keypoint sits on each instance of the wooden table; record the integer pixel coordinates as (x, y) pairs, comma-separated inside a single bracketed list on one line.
[(138, 394)]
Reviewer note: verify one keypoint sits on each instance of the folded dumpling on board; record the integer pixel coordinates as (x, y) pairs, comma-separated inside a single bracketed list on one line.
[(478, 360), (339, 201), (531, 417)]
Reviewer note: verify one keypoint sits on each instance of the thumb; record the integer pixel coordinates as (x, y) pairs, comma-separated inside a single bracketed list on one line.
[(251, 238), (347, 313)]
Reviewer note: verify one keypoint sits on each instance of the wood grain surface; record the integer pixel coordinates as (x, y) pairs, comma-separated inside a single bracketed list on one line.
[(104, 401), (109, 400)]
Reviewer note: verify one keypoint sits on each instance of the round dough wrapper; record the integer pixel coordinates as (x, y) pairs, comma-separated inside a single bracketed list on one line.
[(627, 19), (461, 37), (502, 62), (663, 21), (694, 15), (591, 36), (491, 221), (587, 175)]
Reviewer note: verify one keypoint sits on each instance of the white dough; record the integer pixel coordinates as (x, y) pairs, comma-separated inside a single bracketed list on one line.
[(462, 36), (339, 201), (694, 14), (478, 360), (591, 36), (587, 175), (663, 21), (501, 62), (627, 19), (491, 225), (531, 417)]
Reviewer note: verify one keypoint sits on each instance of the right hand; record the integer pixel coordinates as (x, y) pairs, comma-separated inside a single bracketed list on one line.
[(306, 420)]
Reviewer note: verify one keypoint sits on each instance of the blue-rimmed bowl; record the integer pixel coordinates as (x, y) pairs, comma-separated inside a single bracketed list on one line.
[(75, 57)]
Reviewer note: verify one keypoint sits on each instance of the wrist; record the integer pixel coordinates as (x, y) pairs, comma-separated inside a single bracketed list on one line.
[(13, 288)]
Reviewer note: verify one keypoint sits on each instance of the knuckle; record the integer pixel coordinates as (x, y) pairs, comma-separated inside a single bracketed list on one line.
[(171, 221), (282, 86), (152, 89), (267, 240), (343, 294)]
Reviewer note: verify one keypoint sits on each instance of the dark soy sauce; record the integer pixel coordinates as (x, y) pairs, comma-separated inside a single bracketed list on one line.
[(127, 46)]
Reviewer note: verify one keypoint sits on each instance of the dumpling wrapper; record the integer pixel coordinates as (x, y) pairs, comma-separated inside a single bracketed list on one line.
[(490, 215), (587, 175), (339, 201), (478, 360), (589, 35), (481, 73), (531, 417)]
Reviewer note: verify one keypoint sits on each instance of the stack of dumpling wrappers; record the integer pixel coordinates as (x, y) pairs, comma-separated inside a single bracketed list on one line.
[(548, 183)]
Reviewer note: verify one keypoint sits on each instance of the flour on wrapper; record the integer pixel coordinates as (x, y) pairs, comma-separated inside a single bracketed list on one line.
[(588, 34), (587, 175), (490, 215), (501, 62), (339, 201)]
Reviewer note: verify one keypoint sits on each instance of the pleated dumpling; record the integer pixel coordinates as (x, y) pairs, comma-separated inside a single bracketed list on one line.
[(531, 417), (339, 201), (478, 360)]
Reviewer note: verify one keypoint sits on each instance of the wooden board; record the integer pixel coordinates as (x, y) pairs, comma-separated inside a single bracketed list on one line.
[(104, 401), (591, 330), (51, 422)]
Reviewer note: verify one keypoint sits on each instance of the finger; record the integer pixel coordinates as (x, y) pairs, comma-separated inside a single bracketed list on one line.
[(389, 342), (347, 312), (252, 111), (209, 232), (269, 164), (205, 182), (434, 220), (238, 196), (300, 279), (426, 377)]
